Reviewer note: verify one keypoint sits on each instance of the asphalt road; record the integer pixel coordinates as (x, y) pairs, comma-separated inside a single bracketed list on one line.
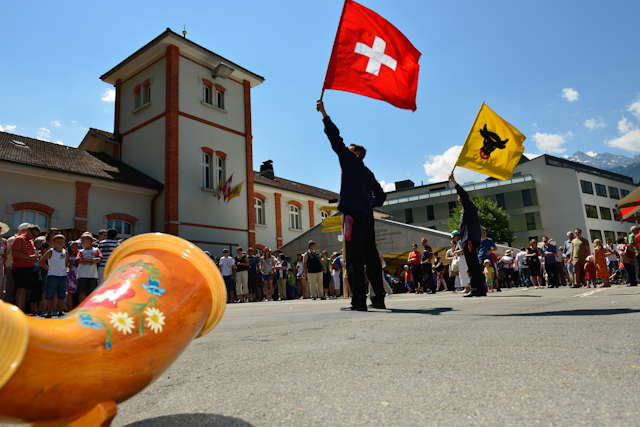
[(551, 357)]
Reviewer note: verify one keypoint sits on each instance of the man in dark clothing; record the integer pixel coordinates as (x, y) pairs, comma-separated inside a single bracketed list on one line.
[(470, 235), (360, 192)]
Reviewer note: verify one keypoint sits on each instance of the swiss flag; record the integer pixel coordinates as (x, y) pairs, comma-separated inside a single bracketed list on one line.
[(371, 57)]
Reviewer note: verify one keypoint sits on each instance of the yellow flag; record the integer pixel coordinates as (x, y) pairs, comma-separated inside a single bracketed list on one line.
[(332, 221), (235, 191), (332, 229), (493, 146)]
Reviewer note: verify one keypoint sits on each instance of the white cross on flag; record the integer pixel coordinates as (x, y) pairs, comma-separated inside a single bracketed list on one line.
[(371, 57)]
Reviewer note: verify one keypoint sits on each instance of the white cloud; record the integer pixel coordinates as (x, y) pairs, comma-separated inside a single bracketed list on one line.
[(56, 123), (630, 141), (535, 125), (635, 109), (439, 167), (58, 142), (44, 134), (629, 133), (388, 187), (531, 156), (570, 94), (551, 142), (624, 126), (7, 128), (591, 153), (594, 123), (109, 95), (74, 121)]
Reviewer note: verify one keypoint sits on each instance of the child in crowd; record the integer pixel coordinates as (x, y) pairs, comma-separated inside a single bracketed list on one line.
[(407, 278), (56, 268), (570, 271), (590, 272), (291, 284), (488, 274), (36, 289), (72, 274), (89, 258)]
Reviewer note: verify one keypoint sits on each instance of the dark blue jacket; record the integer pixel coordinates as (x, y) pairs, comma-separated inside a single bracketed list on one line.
[(359, 189), (469, 220)]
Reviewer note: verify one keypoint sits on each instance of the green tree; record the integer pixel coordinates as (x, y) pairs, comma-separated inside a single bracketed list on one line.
[(492, 217)]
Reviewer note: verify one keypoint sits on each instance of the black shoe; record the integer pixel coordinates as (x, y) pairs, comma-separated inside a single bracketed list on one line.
[(378, 304), (498, 290), (474, 294), (352, 308), (631, 285)]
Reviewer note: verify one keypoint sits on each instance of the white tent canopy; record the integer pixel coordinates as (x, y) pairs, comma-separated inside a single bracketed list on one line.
[(394, 240)]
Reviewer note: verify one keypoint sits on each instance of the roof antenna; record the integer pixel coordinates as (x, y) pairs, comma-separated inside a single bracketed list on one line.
[(184, 31)]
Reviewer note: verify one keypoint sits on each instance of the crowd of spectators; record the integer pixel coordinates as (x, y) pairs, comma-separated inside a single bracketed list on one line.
[(47, 275), (253, 277)]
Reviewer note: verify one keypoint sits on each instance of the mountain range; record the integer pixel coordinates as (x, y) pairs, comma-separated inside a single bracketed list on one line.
[(624, 165)]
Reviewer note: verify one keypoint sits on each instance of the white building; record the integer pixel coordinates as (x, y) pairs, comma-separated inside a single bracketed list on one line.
[(182, 128), (546, 196)]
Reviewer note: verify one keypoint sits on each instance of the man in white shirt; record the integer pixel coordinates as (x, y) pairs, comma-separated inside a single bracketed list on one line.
[(227, 266), (525, 274)]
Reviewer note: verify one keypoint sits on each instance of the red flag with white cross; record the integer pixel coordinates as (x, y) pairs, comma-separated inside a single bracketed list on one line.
[(373, 58)]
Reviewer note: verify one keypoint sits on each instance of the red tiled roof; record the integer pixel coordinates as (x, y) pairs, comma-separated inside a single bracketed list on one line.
[(298, 187), (102, 132), (62, 158)]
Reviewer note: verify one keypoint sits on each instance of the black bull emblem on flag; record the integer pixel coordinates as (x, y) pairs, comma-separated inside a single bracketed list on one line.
[(491, 141)]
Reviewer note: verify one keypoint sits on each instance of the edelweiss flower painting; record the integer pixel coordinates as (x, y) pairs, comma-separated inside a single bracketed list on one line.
[(122, 322), (155, 319)]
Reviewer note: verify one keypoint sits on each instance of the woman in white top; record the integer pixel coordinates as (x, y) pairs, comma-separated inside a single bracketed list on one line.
[(463, 269), (454, 277)]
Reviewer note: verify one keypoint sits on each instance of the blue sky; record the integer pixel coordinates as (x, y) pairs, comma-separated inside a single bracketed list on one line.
[(565, 73)]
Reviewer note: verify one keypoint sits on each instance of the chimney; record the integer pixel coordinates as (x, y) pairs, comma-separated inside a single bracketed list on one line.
[(266, 169)]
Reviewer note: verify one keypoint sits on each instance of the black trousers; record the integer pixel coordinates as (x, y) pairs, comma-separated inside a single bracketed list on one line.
[(552, 275), (427, 274), (418, 277), (470, 250), (360, 245)]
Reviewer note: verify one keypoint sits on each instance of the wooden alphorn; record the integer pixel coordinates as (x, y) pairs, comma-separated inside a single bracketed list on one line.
[(160, 293)]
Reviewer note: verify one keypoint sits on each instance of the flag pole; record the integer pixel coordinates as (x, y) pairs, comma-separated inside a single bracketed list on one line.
[(335, 45), (469, 135)]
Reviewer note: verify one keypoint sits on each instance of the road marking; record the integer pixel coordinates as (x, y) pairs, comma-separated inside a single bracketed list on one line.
[(588, 293)]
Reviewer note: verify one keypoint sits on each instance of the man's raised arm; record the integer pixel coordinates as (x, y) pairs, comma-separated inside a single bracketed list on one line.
[(332, 131)]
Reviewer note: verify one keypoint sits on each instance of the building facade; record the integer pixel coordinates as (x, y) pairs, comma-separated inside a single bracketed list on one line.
[(547, 196), (182, 130)]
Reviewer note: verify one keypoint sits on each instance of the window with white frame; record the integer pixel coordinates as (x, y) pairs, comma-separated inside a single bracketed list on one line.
[(207, 171), (324, 214), (207, 95), (212, 95), (258, 207), (219, 171), (294, 218), (219, 96), (125, 229), (142, 94), (31, 217)]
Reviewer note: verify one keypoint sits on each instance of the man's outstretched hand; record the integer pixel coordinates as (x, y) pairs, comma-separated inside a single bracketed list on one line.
[(452, 179), (320, 107)]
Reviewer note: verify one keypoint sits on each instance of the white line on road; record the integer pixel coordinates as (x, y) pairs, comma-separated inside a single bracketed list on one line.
[(586, 294)]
